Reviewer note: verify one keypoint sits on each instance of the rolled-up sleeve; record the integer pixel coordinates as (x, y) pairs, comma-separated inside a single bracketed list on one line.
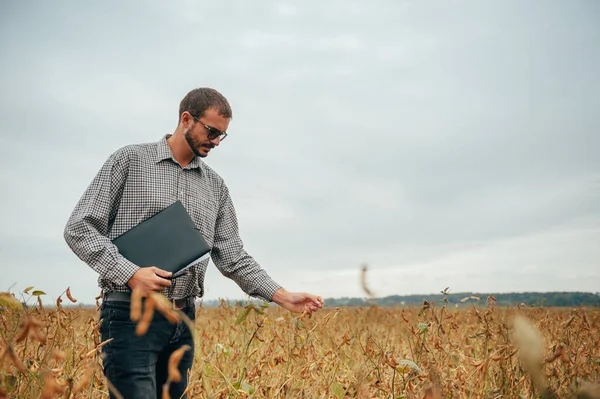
[(87, 229), (232, 260)]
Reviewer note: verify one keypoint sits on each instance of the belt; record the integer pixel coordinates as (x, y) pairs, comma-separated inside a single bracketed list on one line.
[(126, 297)]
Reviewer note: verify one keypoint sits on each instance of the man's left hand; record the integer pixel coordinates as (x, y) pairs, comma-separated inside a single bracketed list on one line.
[(298, 302)]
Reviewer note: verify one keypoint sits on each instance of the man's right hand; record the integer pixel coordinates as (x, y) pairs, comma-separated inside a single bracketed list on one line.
[(148, 279)]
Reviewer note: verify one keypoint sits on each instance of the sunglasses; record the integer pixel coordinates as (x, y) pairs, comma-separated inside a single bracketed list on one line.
[(212, 132)]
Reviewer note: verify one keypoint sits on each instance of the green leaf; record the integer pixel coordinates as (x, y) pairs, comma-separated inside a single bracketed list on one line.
[(244, 386), (9, 382), (255, 308), (404, 366), (337, 389), (478, 335), (258, 311), (38, 293), (26, 291), (10, 301), (298, 323), (224, 349), (243, 315), (249, 389), (207, 370)]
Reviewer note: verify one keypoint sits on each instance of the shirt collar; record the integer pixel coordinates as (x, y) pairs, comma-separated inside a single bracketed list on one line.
[(163, 151)]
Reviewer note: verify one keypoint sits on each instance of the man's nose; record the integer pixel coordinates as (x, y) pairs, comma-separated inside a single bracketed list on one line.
[(216, 141)]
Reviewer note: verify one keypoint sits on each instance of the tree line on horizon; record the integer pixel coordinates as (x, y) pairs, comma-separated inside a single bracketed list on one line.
[(535, 299)]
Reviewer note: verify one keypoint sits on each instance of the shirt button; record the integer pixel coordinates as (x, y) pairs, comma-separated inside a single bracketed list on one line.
[(181, 193)]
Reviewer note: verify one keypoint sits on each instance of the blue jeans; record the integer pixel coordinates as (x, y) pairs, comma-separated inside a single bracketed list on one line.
[(138, 366)]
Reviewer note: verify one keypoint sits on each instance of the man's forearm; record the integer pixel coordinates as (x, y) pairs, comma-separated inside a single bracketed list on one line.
[(234, 263), (280, 297), (97, 251)]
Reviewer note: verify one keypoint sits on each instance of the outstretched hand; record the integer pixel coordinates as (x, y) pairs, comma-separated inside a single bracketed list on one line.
[(298, 302)]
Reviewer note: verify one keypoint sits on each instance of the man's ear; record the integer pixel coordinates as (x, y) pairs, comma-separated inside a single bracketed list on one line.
[(186, 120)]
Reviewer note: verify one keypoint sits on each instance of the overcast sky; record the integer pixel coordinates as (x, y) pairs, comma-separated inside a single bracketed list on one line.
[(443, 143)]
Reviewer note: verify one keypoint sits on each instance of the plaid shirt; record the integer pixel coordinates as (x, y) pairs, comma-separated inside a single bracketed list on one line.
[(138, 181)]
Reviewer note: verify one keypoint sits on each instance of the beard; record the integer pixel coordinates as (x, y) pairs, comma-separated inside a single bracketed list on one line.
[(194, 144)]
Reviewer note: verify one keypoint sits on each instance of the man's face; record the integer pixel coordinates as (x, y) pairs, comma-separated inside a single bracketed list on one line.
[(199, 137)]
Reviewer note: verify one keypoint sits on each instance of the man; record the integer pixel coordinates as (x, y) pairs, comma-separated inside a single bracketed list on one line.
[(136, 182)]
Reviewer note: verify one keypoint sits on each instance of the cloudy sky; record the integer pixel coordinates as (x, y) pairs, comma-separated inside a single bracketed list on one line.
[(442, 144)]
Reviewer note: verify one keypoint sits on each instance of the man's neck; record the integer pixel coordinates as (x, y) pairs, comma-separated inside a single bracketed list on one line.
[(180, 149)]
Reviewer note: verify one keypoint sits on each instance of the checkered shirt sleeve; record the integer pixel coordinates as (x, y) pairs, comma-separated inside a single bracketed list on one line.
[(230, 257), (88, 227)]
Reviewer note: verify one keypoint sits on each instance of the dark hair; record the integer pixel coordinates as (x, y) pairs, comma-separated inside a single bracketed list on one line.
[(199, 100)]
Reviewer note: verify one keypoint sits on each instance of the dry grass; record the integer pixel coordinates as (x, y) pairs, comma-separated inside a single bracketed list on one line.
[(264, 352)]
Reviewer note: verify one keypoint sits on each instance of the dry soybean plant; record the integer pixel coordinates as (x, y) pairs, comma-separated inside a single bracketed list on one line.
[(55, 352), (473, 349)]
